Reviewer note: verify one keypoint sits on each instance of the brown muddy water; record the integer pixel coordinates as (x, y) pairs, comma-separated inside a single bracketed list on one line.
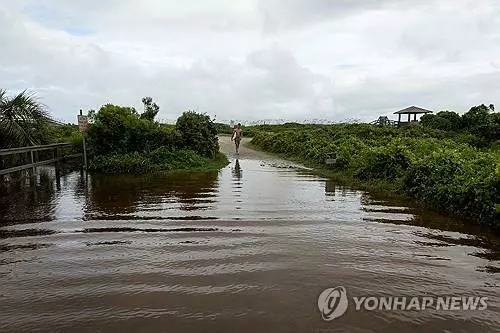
[(246, 249)]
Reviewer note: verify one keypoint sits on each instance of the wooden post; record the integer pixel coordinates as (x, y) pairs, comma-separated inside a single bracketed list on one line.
[(33, 169), (415, 117), (409, 117), (399, 118), (58, 177), (84, 147), (84, 152), (56, 156)]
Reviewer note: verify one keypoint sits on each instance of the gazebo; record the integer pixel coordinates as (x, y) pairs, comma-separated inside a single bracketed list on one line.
[(412, 110)]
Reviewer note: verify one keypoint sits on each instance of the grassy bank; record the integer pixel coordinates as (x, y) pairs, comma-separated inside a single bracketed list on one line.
[(162, 159), (425, 164)]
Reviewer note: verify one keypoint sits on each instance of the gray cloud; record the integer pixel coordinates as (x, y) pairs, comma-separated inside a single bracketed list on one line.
[(291, 14), (253, 59)]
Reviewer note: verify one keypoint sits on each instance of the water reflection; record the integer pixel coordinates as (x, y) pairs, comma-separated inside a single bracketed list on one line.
[(30, 199), (237, 173), (330, 188), (333, 188), (125, 194), (237, 184), (230, 251)]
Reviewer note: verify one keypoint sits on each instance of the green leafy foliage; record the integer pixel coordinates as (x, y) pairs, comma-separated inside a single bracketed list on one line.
[(161, 159), (497, 175), (150, 109), (67, 133), (480, 125), (120, 130), (223, 128), (476, 117), (23, 120), (425, 163), (462, 180), (121, 140), (385, 162), (444, 120), (198, 132)]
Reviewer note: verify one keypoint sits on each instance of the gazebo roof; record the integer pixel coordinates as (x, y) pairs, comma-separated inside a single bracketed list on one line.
[(412, 110)]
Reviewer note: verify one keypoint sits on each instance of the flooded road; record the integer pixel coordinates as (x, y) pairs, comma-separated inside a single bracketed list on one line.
[(247, 249)]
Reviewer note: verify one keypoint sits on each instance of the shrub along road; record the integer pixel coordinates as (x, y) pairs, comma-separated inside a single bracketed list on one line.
[(442, 173)]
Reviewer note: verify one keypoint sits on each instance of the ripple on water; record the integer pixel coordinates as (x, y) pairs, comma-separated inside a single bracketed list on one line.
[(249, 248)]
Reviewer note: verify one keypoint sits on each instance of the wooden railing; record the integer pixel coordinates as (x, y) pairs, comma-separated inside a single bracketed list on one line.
[(33, 152)]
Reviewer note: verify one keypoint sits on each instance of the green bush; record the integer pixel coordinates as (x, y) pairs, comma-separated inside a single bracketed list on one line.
[(461, 180), (76, 141), (223, 128), (198, 132), (444, 120), (385, 162), (251, 131), (120, 130), (425, 163), (121, 140), (480, 126), (497, 178), (67, 133), (161, 159)]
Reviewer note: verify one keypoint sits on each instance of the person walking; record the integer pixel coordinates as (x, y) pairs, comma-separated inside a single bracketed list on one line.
[(237, 135)]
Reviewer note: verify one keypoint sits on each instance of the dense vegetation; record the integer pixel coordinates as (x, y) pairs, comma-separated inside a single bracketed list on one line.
[(23, 120), (122, 140), (455, 169), (448, 161), (223, 128), (479, 127)]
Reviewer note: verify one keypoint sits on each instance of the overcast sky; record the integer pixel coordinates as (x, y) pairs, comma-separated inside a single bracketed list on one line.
[(253, 59)]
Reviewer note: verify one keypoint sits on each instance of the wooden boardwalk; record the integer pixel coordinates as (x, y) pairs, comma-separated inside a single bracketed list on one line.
[(34, 161)]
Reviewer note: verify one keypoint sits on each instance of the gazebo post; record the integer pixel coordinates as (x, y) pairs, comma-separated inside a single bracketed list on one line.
[(399, 119), (415, 117), (409, 115)]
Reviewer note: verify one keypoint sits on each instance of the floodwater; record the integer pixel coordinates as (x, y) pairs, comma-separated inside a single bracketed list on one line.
[(246, 249)]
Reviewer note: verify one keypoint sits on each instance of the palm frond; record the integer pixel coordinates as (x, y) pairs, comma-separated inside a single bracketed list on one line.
[(3, 93), (21, 119)]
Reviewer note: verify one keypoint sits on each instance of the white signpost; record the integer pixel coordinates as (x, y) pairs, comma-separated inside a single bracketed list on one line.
[(83, 123)]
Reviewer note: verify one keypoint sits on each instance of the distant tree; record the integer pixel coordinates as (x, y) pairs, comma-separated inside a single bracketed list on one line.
[(483, 122), (443, 120), (223, 128), (453, 121), (91, 115), (120, 130), (151, 109), (476, 117), (23, 120), (198, 133), (117, 129)]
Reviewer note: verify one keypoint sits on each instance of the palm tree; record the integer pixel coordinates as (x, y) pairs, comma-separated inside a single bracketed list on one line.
[(23, 120)]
